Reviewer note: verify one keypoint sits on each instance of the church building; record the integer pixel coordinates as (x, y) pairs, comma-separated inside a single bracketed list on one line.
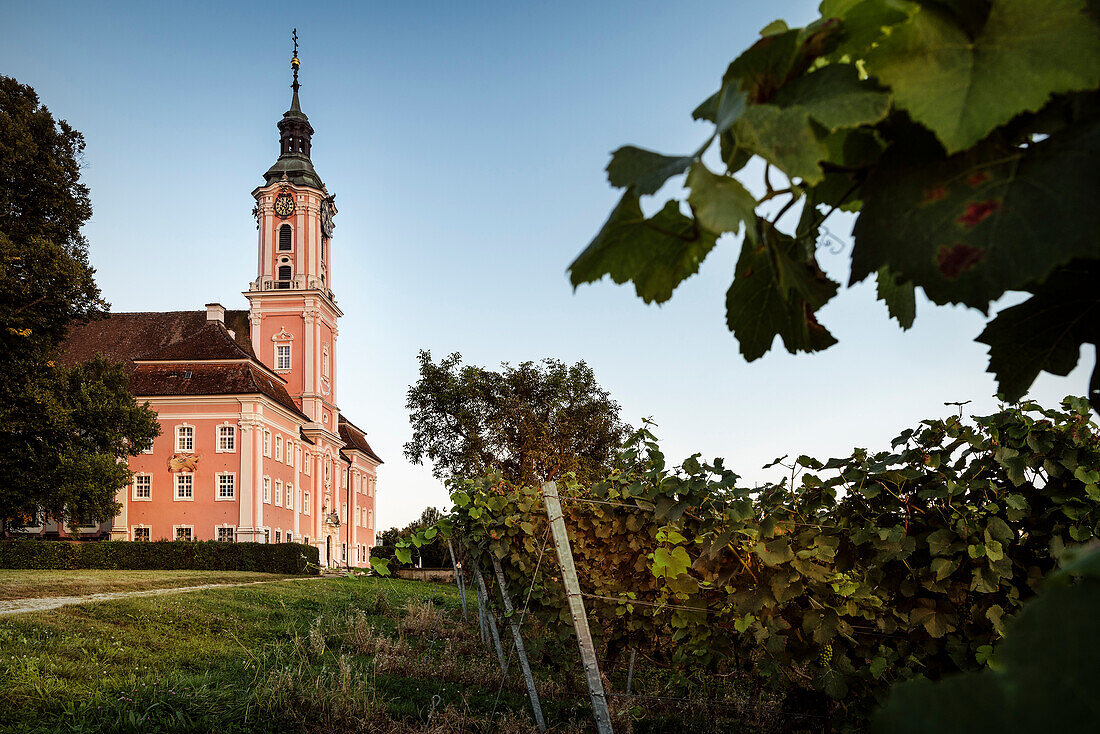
[(253, 445)]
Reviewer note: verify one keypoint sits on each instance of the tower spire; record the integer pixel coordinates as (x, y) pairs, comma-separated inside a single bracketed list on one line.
[(294, 64), (295, 138)]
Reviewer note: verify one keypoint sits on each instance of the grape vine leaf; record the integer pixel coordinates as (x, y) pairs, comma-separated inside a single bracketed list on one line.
[(995, 218), (864, 21), (836, 97), (670, 562), (1045, 332), (657, 254), (642, 169), (773, 293), (784, 137), (962, 87), (721, 203), (899, 296)]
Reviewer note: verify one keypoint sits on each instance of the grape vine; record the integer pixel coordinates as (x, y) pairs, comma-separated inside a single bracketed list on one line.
[(846, 576)]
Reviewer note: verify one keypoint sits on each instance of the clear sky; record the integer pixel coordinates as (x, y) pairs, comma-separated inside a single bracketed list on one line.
[(466, 143)]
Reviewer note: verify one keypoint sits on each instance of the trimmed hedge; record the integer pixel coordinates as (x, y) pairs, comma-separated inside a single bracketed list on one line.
[(206, 555)]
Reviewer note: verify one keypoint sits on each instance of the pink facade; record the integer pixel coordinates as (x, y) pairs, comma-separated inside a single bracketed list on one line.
[(253, 445)]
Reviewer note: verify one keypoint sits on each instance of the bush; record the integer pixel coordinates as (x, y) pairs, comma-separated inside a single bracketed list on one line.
[(207, 555)]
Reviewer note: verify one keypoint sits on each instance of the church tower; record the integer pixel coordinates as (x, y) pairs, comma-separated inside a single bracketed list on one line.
[(293, 312)]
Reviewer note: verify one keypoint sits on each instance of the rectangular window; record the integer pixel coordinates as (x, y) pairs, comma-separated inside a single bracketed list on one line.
[(282, 356), (227, 439), (150, 449), (278, 536), (305, 504), (142, 534), (290, 496), (267, 535), (225, 535), (143, 487), (227, 486), (305, 466), (184, 532), (370, 519), (267, 490), (185, 438), (267, 444), (185, 486), (278, 448), (370, 487), (278, 493)]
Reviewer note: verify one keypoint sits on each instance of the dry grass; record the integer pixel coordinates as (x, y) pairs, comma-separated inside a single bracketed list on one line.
[(33, 584)]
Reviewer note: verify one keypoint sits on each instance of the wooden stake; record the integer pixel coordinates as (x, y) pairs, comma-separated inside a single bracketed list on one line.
[(576, 607), (483, 601), (523, 664), (458, 580), (630, 670)]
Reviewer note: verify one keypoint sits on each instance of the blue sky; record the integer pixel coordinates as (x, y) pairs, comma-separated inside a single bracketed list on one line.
[(466, 144)]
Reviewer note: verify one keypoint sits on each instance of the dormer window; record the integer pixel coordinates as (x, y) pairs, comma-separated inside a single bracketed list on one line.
[(284, 238)]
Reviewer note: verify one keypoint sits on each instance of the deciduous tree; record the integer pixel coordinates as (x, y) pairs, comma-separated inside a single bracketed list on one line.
[(531, 421), (64, 432)]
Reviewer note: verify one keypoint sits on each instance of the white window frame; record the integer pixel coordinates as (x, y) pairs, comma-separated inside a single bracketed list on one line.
[(324, 361), (150, 449), (267, 443), (134, 494), (232, 533), (282, 359), (267, 536), (226, 439), (218, 496), (180, 449), (278, 492), (176, 487), (370, 487), (267, 490), (305, 502), (278, 448), (306, 464), (177, 528), (278, 535), (370, 519), (289, 496), (134, 533)]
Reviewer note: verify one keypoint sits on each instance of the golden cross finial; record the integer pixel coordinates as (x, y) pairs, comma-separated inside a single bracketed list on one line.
[(294, 63)]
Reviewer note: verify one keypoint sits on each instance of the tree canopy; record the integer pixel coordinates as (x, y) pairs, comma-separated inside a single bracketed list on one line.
[(531, 422), (965, 134), (62, 430)]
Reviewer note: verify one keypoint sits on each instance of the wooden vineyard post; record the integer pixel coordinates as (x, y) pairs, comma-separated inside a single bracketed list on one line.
[(630, 670), (458, 580), (523, 664), (576, 607), (483, 602)]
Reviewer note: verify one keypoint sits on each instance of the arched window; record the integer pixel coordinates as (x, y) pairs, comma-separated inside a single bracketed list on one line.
[(284, 276), (284, 237)]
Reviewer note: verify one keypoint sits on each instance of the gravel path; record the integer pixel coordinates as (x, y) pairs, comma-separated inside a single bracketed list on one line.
[(19, 606)]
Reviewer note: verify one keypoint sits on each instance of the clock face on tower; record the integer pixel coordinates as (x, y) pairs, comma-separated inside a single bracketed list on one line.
[(284, 204)]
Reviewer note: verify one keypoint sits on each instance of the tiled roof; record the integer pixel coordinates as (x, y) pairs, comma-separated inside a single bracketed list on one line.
[(125, 337), (182, 342), (356, 439), (200, 378)]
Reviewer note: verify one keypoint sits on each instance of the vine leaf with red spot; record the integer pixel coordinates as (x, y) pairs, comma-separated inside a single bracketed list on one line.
[(969, 227)]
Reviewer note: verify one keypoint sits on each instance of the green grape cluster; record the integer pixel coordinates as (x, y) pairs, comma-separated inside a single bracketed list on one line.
[(826, 655)]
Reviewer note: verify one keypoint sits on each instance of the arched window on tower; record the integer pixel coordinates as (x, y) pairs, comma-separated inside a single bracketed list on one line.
[(284, 237)]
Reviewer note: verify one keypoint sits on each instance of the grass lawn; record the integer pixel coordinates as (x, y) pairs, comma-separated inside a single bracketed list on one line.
[(337, 654), (350, 654), (20, 584)]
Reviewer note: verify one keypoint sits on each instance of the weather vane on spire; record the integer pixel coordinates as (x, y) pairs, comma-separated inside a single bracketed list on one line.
[(294, 62)]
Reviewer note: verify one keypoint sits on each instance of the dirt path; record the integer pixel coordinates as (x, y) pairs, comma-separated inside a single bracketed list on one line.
[(18, 606)]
